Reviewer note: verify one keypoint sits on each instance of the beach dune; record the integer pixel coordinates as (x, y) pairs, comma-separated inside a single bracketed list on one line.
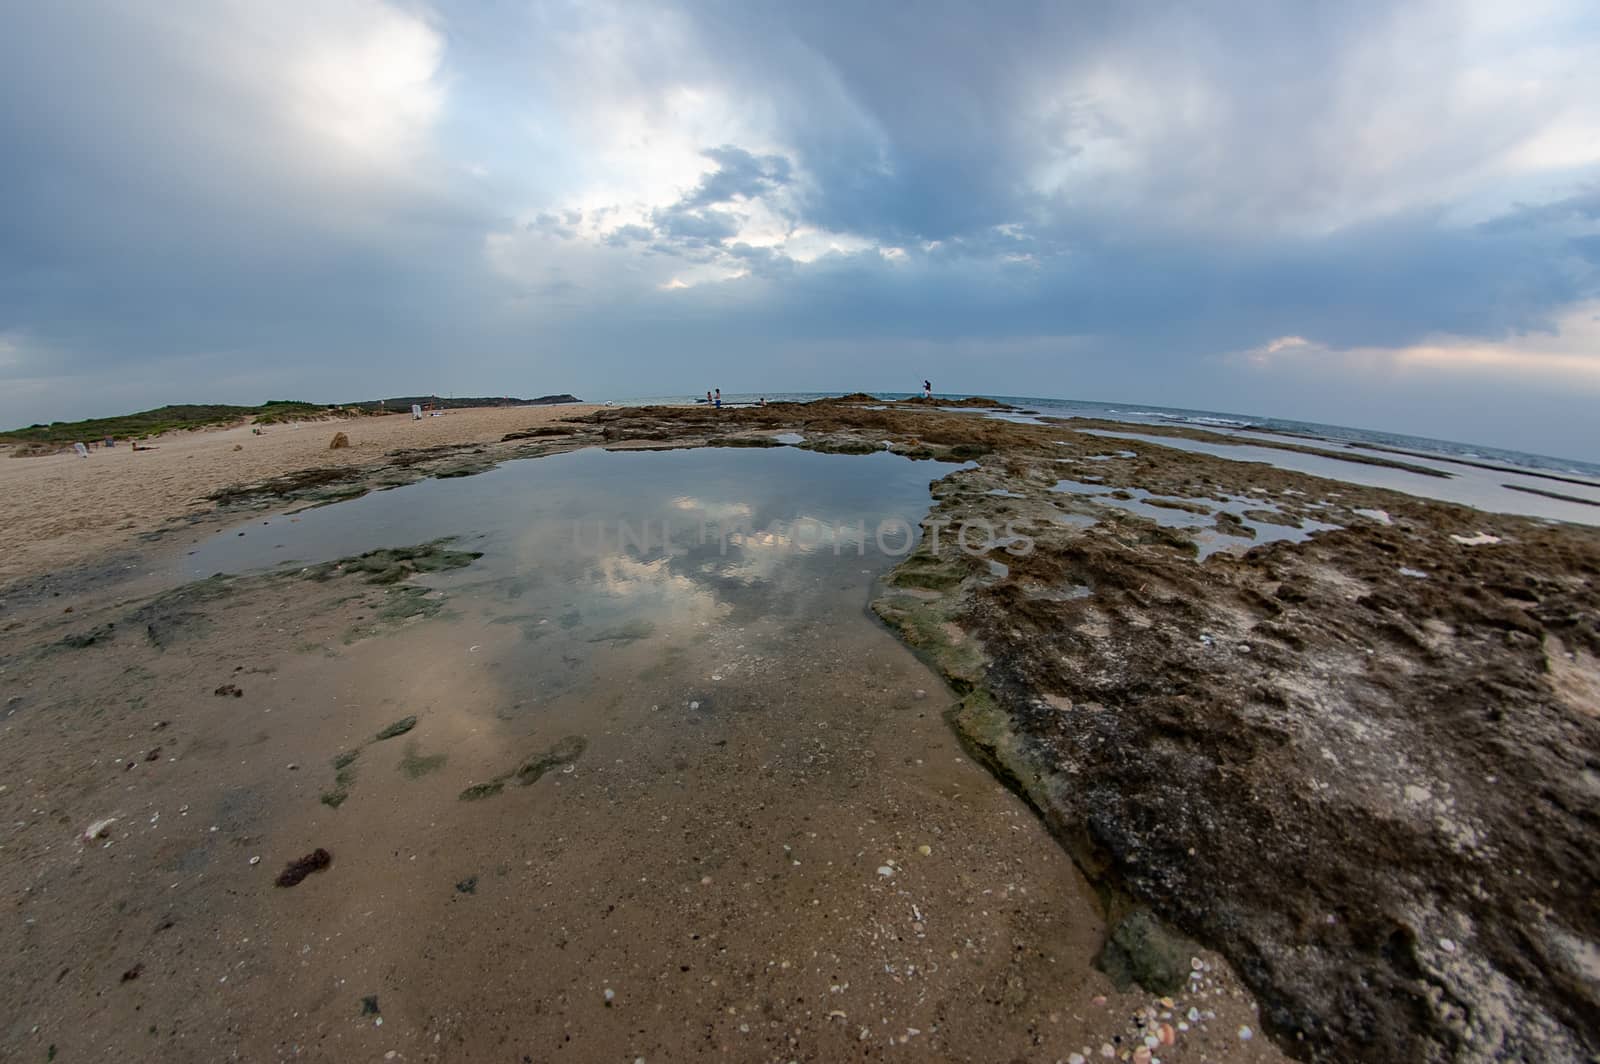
[(64, 510)]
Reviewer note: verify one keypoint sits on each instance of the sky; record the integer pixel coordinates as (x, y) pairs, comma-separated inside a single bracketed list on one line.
[(1384, 215)]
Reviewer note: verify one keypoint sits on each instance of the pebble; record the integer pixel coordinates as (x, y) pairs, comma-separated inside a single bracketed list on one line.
[(925, 850), (1447, 945), (98, 829), (1141, 1055), (255, 860), (1107, 1050), (1245, 1034), (1075, 1058), (885, 870), (1166, 1034), (610, 995)]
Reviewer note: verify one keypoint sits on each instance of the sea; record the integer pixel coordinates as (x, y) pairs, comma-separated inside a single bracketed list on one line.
[(1212, 420)]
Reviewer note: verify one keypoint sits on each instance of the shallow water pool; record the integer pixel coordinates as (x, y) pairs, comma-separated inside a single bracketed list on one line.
[(1506, 492)]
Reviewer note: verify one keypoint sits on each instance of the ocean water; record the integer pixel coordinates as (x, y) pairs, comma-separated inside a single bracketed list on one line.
[(1218, 421), (1496, 489)]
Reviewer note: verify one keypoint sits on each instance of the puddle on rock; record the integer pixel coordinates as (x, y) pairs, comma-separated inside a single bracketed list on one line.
[(1052, 593), (1207, 519), (1498, 491)]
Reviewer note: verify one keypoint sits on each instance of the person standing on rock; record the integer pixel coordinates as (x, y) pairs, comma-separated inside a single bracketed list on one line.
[(719, 399), (927, 389)]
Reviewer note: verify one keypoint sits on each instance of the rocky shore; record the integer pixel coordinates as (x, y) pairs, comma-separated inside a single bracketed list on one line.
[(1345, 737), (1366, 766)]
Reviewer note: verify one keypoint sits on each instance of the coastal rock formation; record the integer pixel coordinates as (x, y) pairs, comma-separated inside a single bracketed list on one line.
[(1345, 736), (1374, 790), (1366, 766)]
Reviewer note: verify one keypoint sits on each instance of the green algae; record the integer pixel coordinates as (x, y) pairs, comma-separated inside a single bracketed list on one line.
[(416, 765), (564, 752), (627, 632), (390, 565), (399, 727), (826, 446)]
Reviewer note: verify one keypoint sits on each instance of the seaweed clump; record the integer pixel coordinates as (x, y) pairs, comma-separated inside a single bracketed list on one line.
[(399, 727), (298, 869), (390, 565), (562, 753)]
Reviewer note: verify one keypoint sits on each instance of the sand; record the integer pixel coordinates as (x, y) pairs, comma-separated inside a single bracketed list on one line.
[(1301, 753), (65, 510), (765, 843)]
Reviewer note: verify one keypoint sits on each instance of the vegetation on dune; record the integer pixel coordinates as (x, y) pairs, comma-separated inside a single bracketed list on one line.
[(148, 423), (164, 419), (459, 402)]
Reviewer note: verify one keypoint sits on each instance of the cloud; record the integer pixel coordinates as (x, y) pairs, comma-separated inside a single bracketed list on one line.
[(739, 175), (695, 228), (1562, 359), (366, 196)]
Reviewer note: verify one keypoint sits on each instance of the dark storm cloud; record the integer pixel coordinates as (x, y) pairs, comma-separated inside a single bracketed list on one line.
[(624, 235), (763, 261), (695, 228), (739, 175), (1157, 182), (1585, 206)]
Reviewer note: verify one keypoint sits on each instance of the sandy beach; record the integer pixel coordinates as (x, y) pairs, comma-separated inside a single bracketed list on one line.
[(1232, 764), (67, 510)]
